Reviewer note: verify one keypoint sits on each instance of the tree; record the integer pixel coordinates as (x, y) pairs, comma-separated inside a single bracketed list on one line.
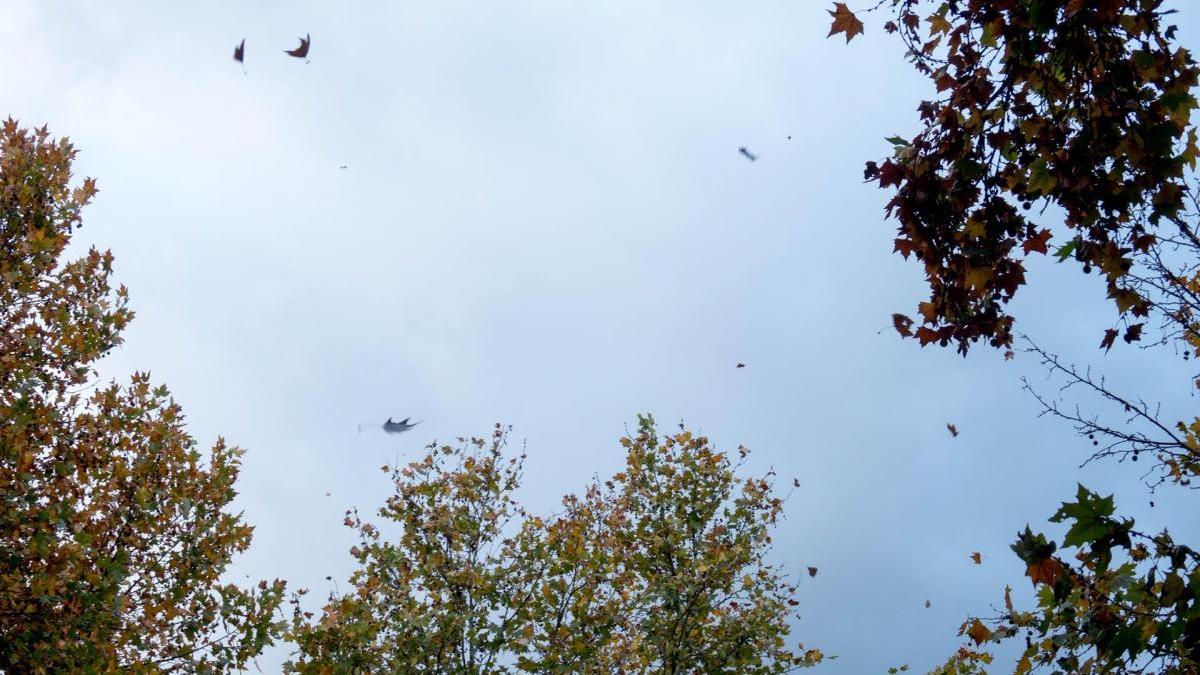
[(660, 569), (112, 530), (1084, 109)]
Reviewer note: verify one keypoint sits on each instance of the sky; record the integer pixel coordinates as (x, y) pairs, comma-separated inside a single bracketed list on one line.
[(544, 221)]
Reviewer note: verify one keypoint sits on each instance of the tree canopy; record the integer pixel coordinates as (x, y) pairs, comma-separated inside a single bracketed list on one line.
[(661, 568), (113, 528)]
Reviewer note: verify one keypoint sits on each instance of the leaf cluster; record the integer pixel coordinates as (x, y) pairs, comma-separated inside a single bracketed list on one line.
[(1083, 106)]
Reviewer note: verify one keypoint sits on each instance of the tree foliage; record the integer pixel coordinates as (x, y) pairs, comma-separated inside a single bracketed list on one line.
[(660, 569), (1082, 106), (112, 530), (1084, 110)]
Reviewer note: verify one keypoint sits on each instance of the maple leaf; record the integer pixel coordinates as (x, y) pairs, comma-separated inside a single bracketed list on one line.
[(1143, 242), (903, 324), (1045, 571), (977, 558), (1133, 333), (1109, 336), (938, 23), (978, 277), (844, 21), (953, 430), (926, 335), (1037, 243), (890, 173), (979, 632)]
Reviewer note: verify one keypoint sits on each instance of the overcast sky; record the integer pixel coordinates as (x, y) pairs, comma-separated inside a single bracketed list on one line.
[(544, 221)]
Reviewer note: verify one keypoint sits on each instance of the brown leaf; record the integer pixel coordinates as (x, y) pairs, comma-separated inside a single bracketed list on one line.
[(1109, 336), (239, 52), (1037, 243), (890, 173), (812, 571), (301, 51), (903, 324), (977, 558), (953, 430), (844, 21), (1133, 333), (741, 365)]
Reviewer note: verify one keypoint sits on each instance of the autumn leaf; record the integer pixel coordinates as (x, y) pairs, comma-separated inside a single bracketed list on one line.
[(953, 430), (1044, 571), (844, 21), (1110, 335), (978, 632), (978, 277), (1037, 243), (903, 324), (890, 173), (1133, 333), (977, 558), (812, 571)]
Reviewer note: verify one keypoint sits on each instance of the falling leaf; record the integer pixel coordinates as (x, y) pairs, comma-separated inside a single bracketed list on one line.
[(301, 51), (977, 558), (844, 21), (812, 571), (903, 324), (1110, 335), (795, 482), (748, 155), (741, 365), (1008, 355), (239, 52), (928, 604), (953, 430)]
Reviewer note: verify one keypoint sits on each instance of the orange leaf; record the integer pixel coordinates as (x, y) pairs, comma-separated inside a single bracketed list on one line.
[(1045, 571), (977, 558)]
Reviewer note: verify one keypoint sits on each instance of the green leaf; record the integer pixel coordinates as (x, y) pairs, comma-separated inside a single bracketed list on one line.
[(896, 140), (1091, 515), (1066, 249)]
